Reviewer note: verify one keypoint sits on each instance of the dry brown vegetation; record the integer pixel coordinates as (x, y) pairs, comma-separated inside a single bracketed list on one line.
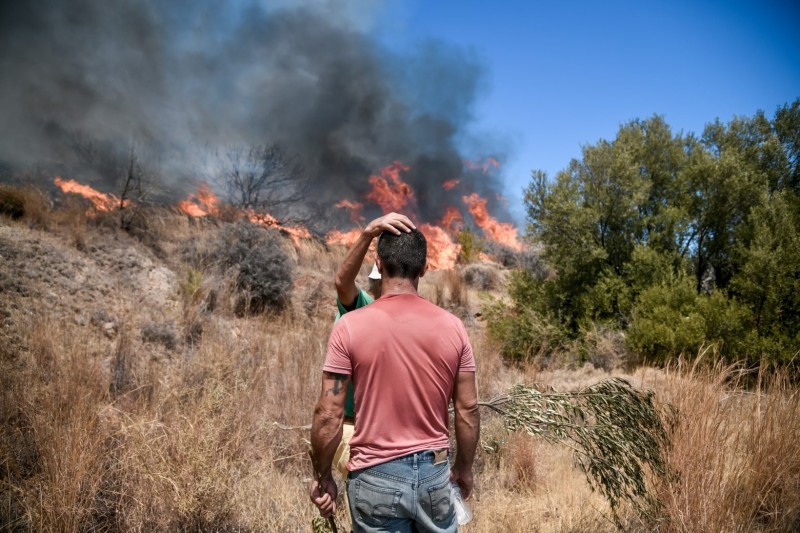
[(135, 399)]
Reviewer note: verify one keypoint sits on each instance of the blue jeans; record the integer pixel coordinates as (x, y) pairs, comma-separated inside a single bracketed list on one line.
[(401, 496)]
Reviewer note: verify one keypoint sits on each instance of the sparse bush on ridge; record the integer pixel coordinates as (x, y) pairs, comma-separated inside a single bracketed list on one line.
[(255, 259), (25, 202), (263, 268), (12, 201), (160, 333), (264, 278), (481, 277), (235, 241)]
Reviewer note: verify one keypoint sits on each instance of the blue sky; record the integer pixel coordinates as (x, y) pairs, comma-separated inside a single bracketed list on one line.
[(564, 74)]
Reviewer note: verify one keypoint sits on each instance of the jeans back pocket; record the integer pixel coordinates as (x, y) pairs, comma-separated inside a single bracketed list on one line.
[(441, 505), (374, 505)]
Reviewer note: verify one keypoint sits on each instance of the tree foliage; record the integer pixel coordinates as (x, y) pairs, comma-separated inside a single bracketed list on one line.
[(682, 241)]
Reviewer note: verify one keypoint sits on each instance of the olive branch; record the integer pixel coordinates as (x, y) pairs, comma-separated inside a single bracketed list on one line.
[(617, 435), (616, 432)]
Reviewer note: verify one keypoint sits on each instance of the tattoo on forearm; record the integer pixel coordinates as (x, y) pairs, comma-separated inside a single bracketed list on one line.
[(339, 383)]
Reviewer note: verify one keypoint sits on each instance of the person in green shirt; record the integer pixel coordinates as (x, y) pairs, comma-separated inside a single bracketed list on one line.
[(350, 297)]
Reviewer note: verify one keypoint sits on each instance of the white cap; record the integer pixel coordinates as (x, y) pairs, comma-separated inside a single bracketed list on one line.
[(375, 274)]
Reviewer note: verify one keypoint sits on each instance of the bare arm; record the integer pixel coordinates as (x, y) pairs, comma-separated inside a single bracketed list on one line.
[(467, 426), (326, 432), (346, 288), (326, 427)]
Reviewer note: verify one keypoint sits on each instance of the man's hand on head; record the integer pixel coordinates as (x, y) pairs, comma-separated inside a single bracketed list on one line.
[(393, 222)]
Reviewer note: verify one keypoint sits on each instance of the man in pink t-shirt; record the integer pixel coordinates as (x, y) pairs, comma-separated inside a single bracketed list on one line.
[(407, 359)]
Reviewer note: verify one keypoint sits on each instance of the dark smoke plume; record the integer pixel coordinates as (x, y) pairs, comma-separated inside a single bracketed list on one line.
[(85, 81)]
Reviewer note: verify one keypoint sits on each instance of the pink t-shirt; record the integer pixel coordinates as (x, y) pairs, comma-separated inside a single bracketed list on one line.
[(403, 353)]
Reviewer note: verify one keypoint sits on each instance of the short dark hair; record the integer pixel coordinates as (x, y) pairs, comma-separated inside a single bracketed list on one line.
[(403, 256)]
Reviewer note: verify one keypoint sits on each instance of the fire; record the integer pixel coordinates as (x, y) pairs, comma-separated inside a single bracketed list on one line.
[(502, 232), (355, 210), (345, 238), (296, 233), (389, 190), (449, 185), (100, 201), (203, 203), (391, 193), (442, 251), (452, 219)]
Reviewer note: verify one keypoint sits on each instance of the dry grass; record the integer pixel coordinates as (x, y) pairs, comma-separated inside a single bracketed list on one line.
[(27, 203), (737, 450), (119, 434), (448, 290)]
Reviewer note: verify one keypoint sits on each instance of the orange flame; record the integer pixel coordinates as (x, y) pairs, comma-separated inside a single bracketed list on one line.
[(203, 203), (355, 209), (296, 233), (502, 232), (442, 251), (449, 185), (391, 193), (452, 219), (100, 201), (345, 238), (392, 196)]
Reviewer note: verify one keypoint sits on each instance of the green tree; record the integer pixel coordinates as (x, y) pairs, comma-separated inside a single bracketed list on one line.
[(630, 192), (684, 241)]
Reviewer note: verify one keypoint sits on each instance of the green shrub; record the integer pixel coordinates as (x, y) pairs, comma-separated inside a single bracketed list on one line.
[(523, 330), (471, 246), (672, 319), (666, 321)]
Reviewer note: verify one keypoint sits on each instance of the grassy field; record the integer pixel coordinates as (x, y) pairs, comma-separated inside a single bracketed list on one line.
[(135, 398)]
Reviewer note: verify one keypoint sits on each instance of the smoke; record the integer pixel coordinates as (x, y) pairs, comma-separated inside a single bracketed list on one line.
[(84, 81)]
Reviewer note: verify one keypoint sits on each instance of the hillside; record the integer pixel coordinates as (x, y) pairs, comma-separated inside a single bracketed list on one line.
[(138, 396)]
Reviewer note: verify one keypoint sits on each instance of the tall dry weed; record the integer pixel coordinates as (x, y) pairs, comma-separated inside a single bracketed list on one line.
[(737, 451), (448, 290), (58, 461)]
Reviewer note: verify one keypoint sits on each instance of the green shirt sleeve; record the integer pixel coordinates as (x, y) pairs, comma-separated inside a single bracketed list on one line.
[(362, 299)]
